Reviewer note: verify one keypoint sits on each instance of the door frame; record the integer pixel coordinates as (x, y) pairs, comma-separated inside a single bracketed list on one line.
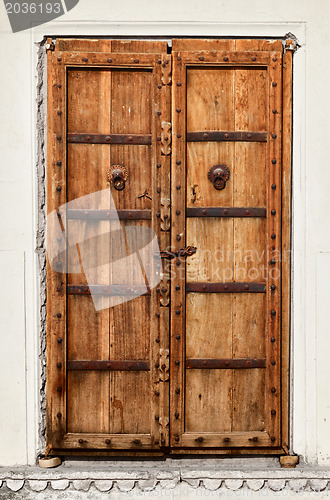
[(285, 278)]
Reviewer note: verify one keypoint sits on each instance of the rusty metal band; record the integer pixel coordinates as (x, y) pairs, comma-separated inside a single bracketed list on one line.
[(219, 136), (126, 365), (245, 363), (113, 290), (108, 214), (140, 139), (226, 287), (225, 212)]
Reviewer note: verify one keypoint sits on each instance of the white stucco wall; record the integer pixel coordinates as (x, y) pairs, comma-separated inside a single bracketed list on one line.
[(19, 317)]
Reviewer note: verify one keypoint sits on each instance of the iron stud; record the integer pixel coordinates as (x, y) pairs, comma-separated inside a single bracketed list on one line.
[(177, 391), (273, 161), (109, 60), (273, 312), (274, 84), (272, 339), (177, 337), (59, 163)]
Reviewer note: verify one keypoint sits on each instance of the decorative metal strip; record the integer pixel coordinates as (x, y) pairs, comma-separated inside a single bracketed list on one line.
[(113, 290), (225, 212), (109, 214), (219, 136), (126, 365), (193, 363), (141, 139), (226, 287)]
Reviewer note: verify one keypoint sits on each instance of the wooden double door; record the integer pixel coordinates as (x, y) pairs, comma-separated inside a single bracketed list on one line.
[(194, 147)]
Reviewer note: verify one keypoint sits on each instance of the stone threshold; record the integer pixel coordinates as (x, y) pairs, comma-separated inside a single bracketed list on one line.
[(126, 476)]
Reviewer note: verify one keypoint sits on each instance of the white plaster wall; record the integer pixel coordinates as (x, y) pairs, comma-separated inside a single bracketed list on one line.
[(19, 329)]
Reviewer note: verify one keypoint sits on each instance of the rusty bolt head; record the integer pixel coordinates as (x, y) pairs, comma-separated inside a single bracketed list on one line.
[(159, 138), (58, 163), (177, 391), (176, 414), (200, 439), (157, 340), (159, 113), (59, 365), (137, 441), (273, 261), (59, 340), (255, 439), (177, 337), (58, 188), (273, 236), (249, 136), (85, 59), (177, 438), (273, 390), (59, 137), (274, 136), (59, 315), (274, 84), (273, 212), (178, 110), (158, 165), (177, 287), (178, 237), (158, 190), (59, 112), (158, 315), (226, 287), (273, 287), (273, 438), (204, 212), (136, 61), (156, 417), (179, 58), (247, 212), (156, 365), (159, 61), (178, 212), (156, 393), (109, 60), (157, 214), (178, 136), (178, 263), (201, 58), (178, 187), (225, 212), (274, 161), (273, 186), (107, 441), (272, 339), (159, 86), (177, 363), (226, 440), (274, 111), (59, 86), (59, 415), (273, 363), (225, 58), (165, 216), (274, 59), (178, 162), (59, 59), (179, 84), (273, 312), (247, 287), (80, 441), (253, 58), (273, 412)]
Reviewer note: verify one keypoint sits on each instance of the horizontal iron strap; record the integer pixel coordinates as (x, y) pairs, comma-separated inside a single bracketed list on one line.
[(109, 365), (225, 212), (141, 139), (225, 363), (226, 287), (108, 214), (113, 290), (212, 135)]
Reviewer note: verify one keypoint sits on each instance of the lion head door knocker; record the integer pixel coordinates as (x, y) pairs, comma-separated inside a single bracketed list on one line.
[(117, 176), (219, 175)]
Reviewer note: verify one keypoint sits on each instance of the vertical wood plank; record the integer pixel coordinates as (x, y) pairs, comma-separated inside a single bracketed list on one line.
[(178, 183), (56, 280), (286, 240), (274, 170)]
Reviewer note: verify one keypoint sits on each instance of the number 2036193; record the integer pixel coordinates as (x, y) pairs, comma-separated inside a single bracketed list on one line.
[(33, 8)]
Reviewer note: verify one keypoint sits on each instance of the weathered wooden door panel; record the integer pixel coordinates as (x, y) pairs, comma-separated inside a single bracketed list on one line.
[(225, 379), (106, 387), (194, 364)]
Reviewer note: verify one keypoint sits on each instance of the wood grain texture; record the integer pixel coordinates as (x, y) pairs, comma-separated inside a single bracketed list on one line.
[(286, 241)]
